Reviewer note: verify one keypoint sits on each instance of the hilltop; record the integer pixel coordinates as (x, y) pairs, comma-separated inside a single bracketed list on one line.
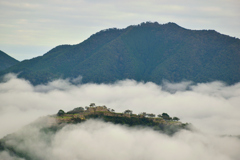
[(46, 128), (145, 52), (163, 122)]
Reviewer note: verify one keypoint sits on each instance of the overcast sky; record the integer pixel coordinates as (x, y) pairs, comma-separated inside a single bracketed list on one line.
[(29, 28)]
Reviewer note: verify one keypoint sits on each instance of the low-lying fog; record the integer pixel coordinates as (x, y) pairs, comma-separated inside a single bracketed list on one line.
[(212, 108)]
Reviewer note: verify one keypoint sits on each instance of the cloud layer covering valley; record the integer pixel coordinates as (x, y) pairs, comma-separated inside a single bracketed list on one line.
[(212, 108), (98, 140)]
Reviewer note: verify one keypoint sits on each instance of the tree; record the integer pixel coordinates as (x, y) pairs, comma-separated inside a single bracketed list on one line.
[(127, 111), (151, 115), (76, 110), (60, 112), (176, 119), (143, 114), (165, 116), (92, 105), (79, 109)]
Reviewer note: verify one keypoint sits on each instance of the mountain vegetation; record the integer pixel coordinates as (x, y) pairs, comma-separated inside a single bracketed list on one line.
[(144, 52), (6, 61), (163, 122)]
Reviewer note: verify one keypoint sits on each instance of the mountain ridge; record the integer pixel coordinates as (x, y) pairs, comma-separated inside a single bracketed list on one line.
[(6, 61), (144, 52)]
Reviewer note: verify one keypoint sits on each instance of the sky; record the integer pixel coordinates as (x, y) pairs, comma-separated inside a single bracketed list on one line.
[(30, 28), (211, 108)]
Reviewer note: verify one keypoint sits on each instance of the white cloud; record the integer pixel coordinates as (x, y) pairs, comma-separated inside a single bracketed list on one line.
[(212, 108), (109, 141), (174, 87), (98, 140)]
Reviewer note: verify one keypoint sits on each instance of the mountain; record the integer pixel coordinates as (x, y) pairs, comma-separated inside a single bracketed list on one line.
[(6, 61), (145, 52)]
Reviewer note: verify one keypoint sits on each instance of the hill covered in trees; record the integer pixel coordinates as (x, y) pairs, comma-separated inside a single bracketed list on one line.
[(145, 52), (6, 61)]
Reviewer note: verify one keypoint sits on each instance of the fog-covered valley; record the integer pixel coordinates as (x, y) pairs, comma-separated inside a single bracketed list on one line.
[(211, 108)]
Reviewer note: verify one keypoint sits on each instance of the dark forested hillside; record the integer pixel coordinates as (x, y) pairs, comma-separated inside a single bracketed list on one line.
[(146, 52), (6, 61)]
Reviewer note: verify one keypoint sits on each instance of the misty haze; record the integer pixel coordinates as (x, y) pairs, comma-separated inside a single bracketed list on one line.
[(212, 108)]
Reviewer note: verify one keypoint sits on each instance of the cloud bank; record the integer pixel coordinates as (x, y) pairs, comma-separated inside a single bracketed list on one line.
[(99, 140), (212, 108)]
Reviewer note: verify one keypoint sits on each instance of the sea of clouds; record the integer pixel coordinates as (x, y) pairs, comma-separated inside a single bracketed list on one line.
[(212, 108)]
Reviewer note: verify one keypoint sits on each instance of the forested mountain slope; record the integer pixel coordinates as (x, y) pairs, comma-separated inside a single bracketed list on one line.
[(6, 61), (145, 52)]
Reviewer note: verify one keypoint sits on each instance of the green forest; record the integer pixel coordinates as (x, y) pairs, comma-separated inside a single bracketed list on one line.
[(145, 52)]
